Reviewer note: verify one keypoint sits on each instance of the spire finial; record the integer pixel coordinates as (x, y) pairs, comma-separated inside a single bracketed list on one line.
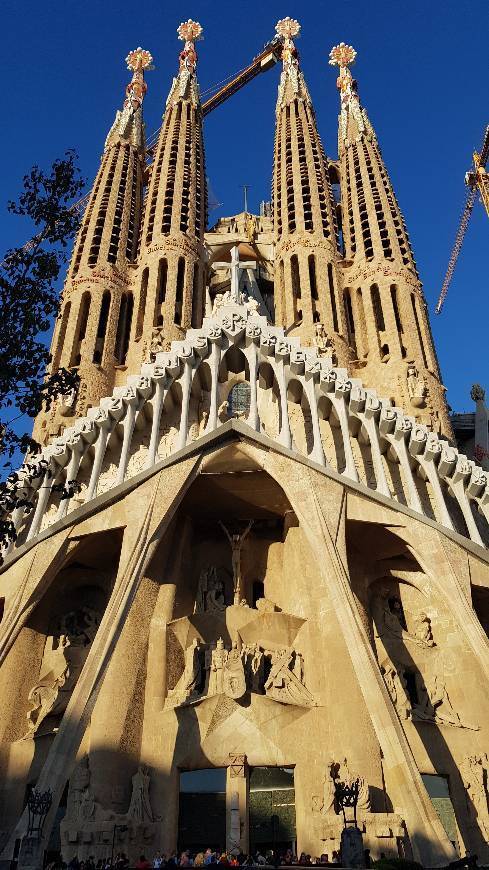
[(288, 28), (343, 56), (137, 60), (189, 32)]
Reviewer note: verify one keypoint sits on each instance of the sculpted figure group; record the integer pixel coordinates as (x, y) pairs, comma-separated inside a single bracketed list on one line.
[(213, 669), (420, 693)]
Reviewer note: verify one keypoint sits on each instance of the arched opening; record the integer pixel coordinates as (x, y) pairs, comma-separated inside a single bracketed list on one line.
[(81, 328), (124, 328), (295, 280), (142, 303), (160, 295), (179, 290), (102, 328)]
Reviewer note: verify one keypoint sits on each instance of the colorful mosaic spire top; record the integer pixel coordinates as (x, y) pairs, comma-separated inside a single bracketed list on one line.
[(189, 32), (288, 28), (138, 61), (343, 56)]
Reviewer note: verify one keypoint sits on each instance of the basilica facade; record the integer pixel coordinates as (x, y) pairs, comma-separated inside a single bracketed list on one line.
[(254, 565)]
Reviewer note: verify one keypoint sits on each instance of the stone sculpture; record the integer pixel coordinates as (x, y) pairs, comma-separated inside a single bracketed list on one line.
[(63, 658), (474, 772), (283, 685), (236, 542), (212, 669), (140, 805), (416, 387), (210, 592)]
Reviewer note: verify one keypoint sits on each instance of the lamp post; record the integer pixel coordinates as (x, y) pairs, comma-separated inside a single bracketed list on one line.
[(121, 828), (346, 798), (38, 806)]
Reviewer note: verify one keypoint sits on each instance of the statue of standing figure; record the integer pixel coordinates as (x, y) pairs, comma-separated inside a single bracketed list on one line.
[(140, 806), (236, 542)]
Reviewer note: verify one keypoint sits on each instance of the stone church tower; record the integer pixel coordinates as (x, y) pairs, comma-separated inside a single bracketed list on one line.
[(250, 567)]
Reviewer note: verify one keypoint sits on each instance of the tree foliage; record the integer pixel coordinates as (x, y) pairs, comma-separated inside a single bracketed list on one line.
[(29, 300)]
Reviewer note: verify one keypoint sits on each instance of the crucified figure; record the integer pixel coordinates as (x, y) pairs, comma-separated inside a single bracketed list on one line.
[(236, 542)]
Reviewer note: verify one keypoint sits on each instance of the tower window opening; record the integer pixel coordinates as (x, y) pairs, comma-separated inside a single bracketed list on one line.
[(196, 313), (102, 327), (289, 177), (418, 329), (377, 306), (332, 296), (86, 220), (397, 313), (81, 329), (304, 175), (350, 321), (119, 210), (142, 304), (311, 261), (179, 291), (157, 174), (134, 218), (61, 337), (124, 328), (102, 212), (296, 283), (187, 156), (171, 175), (162, 280)]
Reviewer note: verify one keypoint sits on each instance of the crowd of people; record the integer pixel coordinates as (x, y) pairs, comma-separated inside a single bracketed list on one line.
[(188, 858)]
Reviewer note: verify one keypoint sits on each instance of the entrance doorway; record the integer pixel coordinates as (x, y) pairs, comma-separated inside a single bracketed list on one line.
[(202, 809), (272, 809)]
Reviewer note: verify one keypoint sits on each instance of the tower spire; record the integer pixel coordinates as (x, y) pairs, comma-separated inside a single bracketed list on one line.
[(92, 334), (307, 296), (170, 294), (128, 123), (387, 320)]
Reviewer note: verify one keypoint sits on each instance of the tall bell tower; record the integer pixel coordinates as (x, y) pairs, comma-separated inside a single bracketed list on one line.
[(306, 285), (92, 332), (170, 291), (387, 319)]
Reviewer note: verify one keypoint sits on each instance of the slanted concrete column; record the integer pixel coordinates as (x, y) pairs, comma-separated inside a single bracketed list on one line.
[(237, 815)]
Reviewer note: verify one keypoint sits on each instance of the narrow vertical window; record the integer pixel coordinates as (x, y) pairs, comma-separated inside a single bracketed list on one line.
[(350, 322), (377, 306), (332, 297), (102, 328), (362, 323), (81, 329), (311, 261), (179, 292), (124, 328), (296, 285), (196, 315), (397, 313), (142, 303)]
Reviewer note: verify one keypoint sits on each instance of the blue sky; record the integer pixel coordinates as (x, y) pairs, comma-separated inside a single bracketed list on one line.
[(422, 73)]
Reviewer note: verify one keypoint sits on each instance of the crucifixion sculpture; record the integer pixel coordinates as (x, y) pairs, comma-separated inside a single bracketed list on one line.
[(236, 542)]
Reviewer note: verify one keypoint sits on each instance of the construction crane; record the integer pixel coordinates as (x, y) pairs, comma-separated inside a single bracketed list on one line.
[(477, 181), (265, 60), (268, 57)]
